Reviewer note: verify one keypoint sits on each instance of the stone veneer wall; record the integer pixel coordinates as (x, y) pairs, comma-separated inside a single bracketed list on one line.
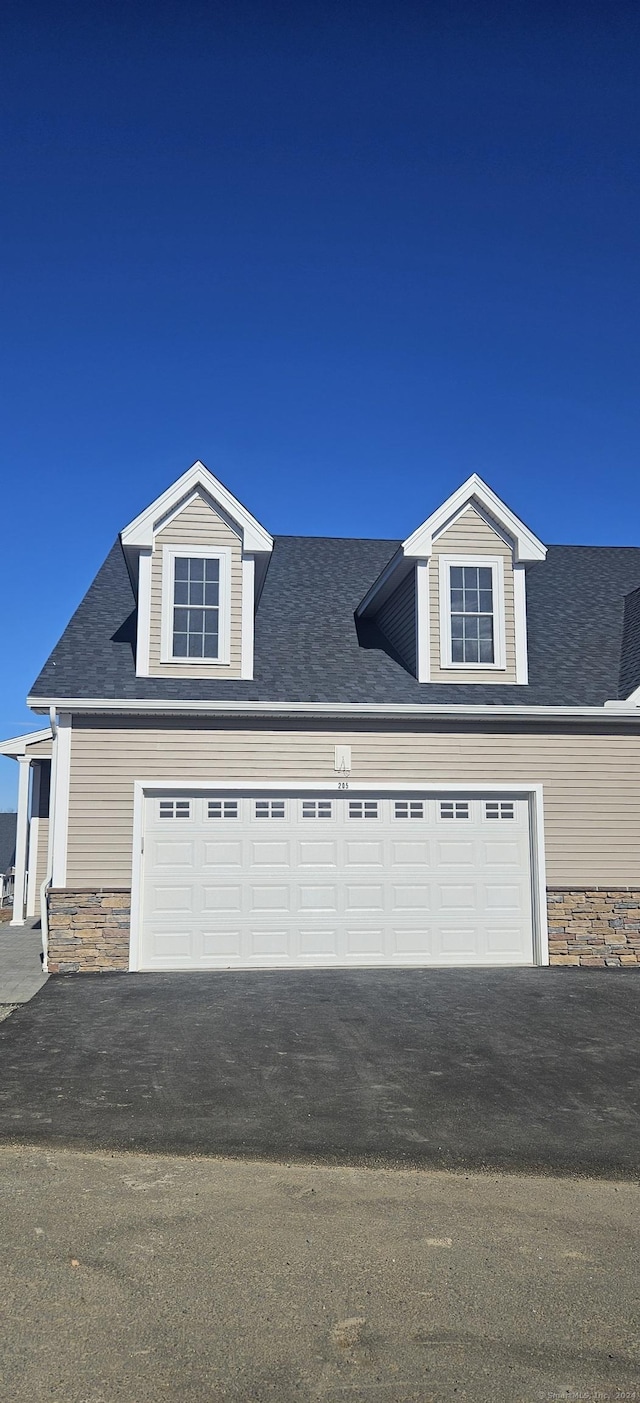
[(88, 930), (594, 928)]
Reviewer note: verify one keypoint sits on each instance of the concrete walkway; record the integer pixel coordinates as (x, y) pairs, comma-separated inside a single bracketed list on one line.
[(20, 967)]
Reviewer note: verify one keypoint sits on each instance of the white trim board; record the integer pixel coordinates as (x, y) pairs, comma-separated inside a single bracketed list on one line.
[(140, 531), (533, 792), (491, 562), (59, 802), (169, 555), (607, 713)]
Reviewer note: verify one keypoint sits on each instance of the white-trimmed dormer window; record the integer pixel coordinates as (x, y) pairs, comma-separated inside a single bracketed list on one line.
[(196, 616), (472, 622)]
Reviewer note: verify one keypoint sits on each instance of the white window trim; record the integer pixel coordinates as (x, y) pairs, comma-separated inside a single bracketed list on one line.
[(169, 555), (496, 563)]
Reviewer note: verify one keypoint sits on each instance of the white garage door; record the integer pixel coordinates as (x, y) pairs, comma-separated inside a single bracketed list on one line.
[(266, 881)]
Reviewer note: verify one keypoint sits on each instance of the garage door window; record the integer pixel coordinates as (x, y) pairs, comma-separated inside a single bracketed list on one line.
[(499, 809), (222, 808), (175, 808), (454, 809), (409, 808), (317, 808), (270, 808), (363, 808)]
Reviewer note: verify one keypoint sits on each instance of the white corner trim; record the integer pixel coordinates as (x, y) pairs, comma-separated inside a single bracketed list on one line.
[(248, 615), (527, 546), (423, 623), (533, 792), (59, 802), (539, 876), (140, 531), (169, 555), (143, 638), (137, 871), (520, 619), (496, 564)]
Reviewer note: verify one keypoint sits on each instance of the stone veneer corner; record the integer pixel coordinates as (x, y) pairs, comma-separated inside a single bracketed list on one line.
[(89, 930)]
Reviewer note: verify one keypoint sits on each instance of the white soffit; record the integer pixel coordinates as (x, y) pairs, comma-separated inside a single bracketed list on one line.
[(419, 546), (139, 534)]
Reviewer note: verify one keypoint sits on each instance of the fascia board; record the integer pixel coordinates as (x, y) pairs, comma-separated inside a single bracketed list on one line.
[(343, 709), (527, 546), (139, 532), (394, 571)]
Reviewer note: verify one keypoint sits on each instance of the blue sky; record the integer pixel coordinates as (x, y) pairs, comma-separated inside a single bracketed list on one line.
[(346, 253)]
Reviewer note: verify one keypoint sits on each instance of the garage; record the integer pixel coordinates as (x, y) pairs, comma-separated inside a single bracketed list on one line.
[(318, 879)]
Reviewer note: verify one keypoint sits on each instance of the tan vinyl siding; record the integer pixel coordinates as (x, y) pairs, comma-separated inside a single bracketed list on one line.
[(199, 524), (397, 621), (471, 535), (591, 782), (42, 854), (40, 749)]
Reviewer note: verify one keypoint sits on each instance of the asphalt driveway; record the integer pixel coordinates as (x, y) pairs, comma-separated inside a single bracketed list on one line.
[(514, 1069)]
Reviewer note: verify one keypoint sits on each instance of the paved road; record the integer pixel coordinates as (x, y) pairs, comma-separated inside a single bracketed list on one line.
[(149, 1280), (526, 1069)]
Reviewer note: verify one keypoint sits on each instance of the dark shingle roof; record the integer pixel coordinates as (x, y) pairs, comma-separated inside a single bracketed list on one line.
[(630, 660), (308, 648), (7, 841)]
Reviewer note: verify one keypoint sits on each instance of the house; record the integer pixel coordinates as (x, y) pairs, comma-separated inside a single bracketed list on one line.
[(7, 857), (311, 752)]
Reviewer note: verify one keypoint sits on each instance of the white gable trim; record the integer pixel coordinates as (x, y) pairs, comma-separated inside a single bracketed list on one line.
[(527, 547), (140, 532), (19, 744)]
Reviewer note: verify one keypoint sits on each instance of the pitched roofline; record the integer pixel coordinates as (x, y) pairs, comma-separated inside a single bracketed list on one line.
[(18, 745), (419, 545), (139, 533), (610, 711)]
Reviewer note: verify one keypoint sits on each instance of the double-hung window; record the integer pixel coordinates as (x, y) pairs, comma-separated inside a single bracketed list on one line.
[(472, 612), (195, 606)]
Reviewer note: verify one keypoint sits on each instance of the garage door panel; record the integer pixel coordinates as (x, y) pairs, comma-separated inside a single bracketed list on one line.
[(221, 898), (222, 945), (456, 854), (270, 853), (364, 854), (168, 899), (173, 854), (318, 944), (248, 881), (365, 897), (318, 854), (270, 898), (219, 854), (365, 941), (411, 854), (317, 898), (411, 898)]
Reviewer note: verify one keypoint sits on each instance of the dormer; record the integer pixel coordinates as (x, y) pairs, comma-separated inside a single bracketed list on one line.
[(452, 600), (197, 560)]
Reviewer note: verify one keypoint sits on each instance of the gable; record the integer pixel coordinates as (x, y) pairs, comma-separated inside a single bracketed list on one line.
[(195, 525), (473, 535)]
